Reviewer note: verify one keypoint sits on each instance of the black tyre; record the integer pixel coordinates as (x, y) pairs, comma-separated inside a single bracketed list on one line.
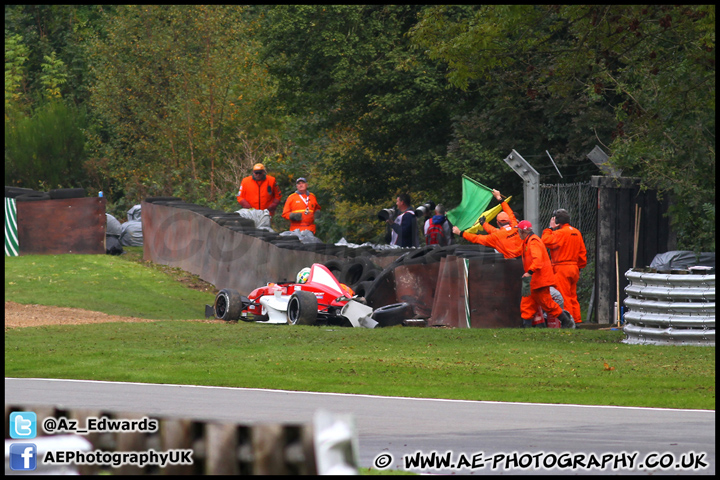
[(14, 192), (67, 193), (162, 199), (335, 267), (353, 271), (302, 308), (393, 314), (31, 197), (370, 274), (237, 221), (228, 305), (362, 288), (419, 256), (287, 245), (243, 230)]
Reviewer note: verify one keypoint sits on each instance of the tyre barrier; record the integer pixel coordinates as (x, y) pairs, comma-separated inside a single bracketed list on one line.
[(162, 199), (669, 309), (32, 197), (28, 194), (14, 192), (67, 193)]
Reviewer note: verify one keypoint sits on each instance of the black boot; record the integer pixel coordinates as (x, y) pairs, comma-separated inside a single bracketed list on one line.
[(566, 321), (526, 323)]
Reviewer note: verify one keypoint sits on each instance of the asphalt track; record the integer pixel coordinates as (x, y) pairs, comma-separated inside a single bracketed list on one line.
[(391, 429)]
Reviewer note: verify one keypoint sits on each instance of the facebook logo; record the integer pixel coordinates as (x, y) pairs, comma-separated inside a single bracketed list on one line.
[(23, 456), (23, 425)]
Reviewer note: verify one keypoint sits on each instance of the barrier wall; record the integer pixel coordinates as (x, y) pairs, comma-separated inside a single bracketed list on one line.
[(478, 292), (226, 258), (53, 227)]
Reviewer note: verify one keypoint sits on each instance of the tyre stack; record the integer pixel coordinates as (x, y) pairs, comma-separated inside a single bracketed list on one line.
[(30, 195), (230, 220)]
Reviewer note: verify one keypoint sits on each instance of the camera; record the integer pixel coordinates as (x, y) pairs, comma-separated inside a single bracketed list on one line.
[(386, 214), (424, 209)]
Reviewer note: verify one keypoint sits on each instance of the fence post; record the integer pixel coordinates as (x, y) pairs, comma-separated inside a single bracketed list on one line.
[(531, 186)]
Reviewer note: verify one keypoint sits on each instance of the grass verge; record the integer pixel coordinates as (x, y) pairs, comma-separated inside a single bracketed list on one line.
[(104, 283), (537, 366)]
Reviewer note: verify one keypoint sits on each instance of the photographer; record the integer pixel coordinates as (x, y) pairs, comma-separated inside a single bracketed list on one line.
[(404, 227)]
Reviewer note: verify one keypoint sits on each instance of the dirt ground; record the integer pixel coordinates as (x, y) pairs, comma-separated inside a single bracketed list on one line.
[(17, 315)]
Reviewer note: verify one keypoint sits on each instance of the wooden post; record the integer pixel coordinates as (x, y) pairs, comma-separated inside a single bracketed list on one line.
[(617, 291)]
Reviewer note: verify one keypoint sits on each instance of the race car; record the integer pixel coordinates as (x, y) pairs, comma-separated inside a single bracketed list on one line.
[(315, 298)]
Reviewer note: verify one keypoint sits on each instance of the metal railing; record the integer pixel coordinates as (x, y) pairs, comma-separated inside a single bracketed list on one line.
[(666, 309)]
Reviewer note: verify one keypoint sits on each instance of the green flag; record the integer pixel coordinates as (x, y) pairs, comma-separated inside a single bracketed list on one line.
[(475, 199)]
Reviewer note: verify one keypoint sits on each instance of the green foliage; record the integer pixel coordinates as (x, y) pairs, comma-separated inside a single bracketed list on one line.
[(373, 100), (57, 32), (375, 113), (639, 80), (174, 94), (53, 76), (46, 149), (16, 54)]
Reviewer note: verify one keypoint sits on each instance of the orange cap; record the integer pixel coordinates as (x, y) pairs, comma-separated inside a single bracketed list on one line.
[(258, 166), (503, 217)]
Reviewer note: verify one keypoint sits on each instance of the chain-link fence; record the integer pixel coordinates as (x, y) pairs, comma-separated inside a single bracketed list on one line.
[(580, 200)]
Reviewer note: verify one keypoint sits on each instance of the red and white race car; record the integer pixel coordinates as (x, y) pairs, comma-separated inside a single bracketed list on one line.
[(316, 298)]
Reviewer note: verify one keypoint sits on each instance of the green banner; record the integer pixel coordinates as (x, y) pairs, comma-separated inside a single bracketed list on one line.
[(11, 231), (475, 199)]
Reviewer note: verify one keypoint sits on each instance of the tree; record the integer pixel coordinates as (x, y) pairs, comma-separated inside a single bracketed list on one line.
[(174, 89), (650, 67), (46, 149), (376, 113), (16, 54)]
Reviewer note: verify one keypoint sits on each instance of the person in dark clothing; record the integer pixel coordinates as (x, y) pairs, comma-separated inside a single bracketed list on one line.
[(404, 226), (438, 229)]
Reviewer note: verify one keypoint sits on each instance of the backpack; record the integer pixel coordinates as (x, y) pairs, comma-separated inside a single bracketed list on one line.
[(436, 235)]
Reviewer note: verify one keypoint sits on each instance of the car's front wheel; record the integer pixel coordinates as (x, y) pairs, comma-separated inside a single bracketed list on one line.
[(228, 305), (302, 308)]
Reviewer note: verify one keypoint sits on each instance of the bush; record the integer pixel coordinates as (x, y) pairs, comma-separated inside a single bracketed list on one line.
[(45, 149)]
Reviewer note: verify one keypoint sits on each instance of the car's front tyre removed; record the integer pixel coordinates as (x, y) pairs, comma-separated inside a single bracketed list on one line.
[(228, 305), (393, 314), (302, 308)]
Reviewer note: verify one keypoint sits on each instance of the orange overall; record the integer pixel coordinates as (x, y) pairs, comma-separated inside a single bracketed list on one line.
[(537, 261), (505, 240), (568, 256), (306, 205), (260, 195)]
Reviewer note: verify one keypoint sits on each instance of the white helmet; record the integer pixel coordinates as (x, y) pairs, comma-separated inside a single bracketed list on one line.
[(303, 275)]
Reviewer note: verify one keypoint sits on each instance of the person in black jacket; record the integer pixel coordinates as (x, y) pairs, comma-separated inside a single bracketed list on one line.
[(404, 226)]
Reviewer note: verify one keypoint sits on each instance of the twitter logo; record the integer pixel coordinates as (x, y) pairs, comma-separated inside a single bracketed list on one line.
[(23, 425)]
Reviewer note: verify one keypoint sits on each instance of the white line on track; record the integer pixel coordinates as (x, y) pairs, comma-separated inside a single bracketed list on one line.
[(368, 396)]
